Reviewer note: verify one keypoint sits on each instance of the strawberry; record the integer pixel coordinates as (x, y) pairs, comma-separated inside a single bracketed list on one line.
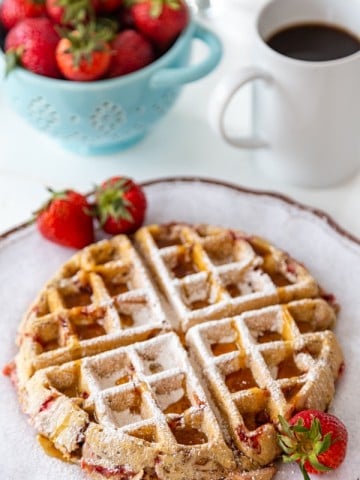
[(316, 440), (120, 205), (66, 219), (84, 54), (13, 11), (160, 20), (32, 43), (130, 51)]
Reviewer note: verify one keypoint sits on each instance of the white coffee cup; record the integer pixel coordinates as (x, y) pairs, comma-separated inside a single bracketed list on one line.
[(306, 114)]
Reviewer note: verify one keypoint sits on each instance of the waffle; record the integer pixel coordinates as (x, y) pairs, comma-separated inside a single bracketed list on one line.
[(262, 364), (129, 358), (210, 273)]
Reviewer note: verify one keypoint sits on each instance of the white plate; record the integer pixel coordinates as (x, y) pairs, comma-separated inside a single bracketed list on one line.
[(26, 261)]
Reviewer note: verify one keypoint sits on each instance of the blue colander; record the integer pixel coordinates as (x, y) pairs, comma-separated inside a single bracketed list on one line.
[(109, 115)]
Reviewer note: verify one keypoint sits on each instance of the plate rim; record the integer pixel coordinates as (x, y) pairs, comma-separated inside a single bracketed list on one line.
[(284, 201), (327, 218)]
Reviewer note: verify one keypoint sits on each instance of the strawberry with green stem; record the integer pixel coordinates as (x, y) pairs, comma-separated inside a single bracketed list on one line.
[(66, 219), (120, 205), (316, 440), (32, 44), (159, 20), (84, 54)]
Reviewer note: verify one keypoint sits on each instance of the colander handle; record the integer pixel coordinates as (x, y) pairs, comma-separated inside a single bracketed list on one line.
[(169, 77)]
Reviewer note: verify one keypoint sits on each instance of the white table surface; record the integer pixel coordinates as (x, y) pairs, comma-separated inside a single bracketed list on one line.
[(182, 144)]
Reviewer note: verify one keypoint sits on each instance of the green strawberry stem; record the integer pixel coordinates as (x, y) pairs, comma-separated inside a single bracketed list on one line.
[(13, 58), (112, 203), (53, 195), (304, 472), (86, 39), (76, 11)]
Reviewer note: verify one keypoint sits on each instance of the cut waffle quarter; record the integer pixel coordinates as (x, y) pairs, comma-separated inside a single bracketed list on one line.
[(259, 366), (171, 355)]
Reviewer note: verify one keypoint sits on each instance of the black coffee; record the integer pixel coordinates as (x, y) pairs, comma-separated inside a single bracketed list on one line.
[(314, 42)]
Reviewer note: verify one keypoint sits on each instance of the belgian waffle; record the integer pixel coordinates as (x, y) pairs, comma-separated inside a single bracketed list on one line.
[(109, 384), (209, 273)]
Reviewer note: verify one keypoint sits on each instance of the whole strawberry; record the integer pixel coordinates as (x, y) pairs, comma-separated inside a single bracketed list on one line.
[(84, 54), (316, 440), (66, 219), (160, 20), (120, 205), (31, 44), (13, 11), (130, 52)]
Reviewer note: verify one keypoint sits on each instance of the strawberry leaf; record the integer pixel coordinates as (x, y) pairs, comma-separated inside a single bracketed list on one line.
[(313, 460), (88, 38), (111, 202), (13, 58), (76, 11), (173, 4), (156, 8), (285, 427), (325, 444)]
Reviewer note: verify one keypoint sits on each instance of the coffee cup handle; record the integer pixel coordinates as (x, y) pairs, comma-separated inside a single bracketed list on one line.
[(221, 99)]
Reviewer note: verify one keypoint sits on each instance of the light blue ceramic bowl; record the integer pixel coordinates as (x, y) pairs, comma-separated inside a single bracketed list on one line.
[(110, 115)]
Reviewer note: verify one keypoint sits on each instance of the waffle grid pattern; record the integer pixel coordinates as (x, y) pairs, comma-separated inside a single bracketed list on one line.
[(102, 298), (142, 397), (209, 273)]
